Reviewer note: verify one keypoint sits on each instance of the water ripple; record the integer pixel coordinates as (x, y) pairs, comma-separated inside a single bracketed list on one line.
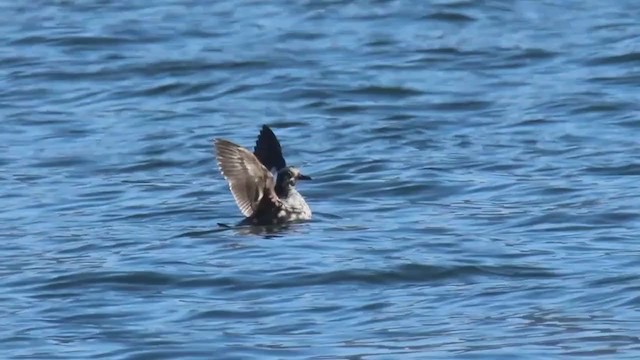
[(474, 190)]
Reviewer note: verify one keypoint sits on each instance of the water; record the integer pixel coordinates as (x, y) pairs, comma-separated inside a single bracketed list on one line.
[(475, 186)]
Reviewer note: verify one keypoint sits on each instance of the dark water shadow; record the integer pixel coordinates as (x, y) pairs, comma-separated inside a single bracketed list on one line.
[(267, 231)]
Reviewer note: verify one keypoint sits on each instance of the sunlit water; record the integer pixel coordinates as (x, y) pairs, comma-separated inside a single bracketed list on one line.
[(476, 172)]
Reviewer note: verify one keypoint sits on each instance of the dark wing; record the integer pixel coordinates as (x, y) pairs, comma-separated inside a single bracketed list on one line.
[(268, 150), (248, 179)]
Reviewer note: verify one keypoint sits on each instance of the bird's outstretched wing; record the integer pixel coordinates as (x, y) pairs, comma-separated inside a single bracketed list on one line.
[(268, 150), (250, 182)]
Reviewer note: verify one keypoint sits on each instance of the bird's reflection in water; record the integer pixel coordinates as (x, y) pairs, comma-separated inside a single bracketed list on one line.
[(267, 231)]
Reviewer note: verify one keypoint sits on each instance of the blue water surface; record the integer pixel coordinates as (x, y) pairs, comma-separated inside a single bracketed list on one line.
[(476, 186)]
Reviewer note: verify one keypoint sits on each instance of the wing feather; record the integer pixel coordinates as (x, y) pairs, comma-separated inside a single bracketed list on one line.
[(268, 150), (249, 181)]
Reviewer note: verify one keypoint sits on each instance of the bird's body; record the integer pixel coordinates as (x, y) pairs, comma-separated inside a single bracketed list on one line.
[(263, 199), (294, 207)]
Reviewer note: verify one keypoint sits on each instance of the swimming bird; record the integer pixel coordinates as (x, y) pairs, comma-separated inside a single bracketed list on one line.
[(262, 198)]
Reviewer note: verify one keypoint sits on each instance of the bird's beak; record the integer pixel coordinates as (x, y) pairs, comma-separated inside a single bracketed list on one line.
[(304, 177)]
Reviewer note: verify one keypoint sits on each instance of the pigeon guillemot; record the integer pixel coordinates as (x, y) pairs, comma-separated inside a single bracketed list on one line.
[(262, 199)]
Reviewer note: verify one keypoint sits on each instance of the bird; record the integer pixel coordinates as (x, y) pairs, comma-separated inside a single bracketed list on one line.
[(262, 184)]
